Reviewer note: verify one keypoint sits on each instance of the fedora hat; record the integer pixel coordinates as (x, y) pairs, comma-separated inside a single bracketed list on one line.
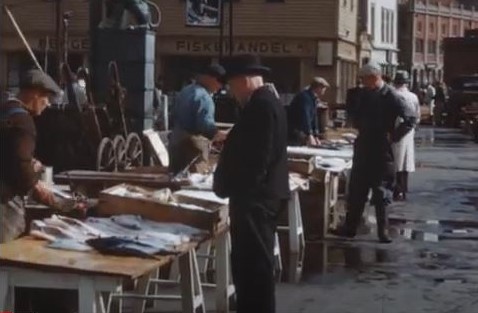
[(246, 64), (401, 78)]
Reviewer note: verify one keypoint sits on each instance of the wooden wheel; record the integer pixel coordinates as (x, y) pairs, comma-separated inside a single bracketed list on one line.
[(119, 144), (106, 157), (134, 150)]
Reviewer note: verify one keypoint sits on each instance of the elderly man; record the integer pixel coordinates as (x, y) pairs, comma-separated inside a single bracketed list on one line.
[(302, 114), (373, 166), (20, 172), (193, 118), (252, 172)]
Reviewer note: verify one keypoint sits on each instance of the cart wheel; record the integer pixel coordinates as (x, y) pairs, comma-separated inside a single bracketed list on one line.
[(120, 151), (134, 150), (106, 158)]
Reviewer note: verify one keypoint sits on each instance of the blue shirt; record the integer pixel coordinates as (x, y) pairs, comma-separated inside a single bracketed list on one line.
[(302, 113), (194, 111)]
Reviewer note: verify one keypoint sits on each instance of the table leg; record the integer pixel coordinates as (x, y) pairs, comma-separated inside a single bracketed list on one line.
[(223, 273), (296, 229), (142, 288), (191, 289), (6, 292), (87, 296)]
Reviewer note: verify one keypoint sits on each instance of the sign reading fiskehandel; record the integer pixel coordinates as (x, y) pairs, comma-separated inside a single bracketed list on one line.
[(263, 47)]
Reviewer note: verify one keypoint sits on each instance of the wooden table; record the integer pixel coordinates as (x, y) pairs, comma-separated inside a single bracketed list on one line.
[(27, 262)]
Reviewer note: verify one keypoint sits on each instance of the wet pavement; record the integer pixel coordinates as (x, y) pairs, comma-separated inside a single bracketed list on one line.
[(432, 266)]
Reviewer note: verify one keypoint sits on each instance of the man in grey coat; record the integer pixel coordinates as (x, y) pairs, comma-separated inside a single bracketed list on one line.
[(373, 163)]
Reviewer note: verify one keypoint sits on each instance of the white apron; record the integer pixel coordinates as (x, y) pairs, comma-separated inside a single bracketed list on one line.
[(404, 150)]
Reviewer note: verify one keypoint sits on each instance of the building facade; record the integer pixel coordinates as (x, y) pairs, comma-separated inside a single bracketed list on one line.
[(423, 27), (297, 39), (378, 20)]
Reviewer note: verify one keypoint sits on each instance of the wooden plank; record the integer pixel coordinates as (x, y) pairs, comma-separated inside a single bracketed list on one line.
[(92, 182), (30, 253), (153, 209), (303, 166)]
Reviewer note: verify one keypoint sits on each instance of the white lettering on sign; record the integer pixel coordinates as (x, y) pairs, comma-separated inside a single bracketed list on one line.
[(263, 47), (74, 44)]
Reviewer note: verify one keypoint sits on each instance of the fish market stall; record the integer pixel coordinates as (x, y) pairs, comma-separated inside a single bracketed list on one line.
[(328, 168), (129, 242)]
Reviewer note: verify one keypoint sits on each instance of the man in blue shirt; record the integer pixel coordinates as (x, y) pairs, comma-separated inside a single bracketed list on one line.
[(302, 114), (193, 119)]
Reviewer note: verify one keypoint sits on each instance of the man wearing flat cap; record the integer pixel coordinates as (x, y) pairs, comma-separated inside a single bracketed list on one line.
[(373, 162), (302, 114), (252, 173), (19, 173), (193, 119)]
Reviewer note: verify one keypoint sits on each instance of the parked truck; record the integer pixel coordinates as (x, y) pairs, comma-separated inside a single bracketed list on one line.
[(461, 76)]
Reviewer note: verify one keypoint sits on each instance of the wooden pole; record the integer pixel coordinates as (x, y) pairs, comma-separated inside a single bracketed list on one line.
[(22, 37), (231, 27), (221, 32)]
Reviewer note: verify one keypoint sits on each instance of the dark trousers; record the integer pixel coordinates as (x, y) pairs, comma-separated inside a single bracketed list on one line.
[(362, 180), (253, 226), (401, 184)]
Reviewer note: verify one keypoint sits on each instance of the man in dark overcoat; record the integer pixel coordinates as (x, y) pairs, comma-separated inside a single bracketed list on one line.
[(252, 172), (373, 164)]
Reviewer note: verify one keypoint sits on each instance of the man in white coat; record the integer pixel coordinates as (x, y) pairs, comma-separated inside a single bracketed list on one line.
[(404, 150)]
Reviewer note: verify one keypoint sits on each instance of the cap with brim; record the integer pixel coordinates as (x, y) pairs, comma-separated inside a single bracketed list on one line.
[(370, 69), (247, 65), (40, 80), (320, 81)]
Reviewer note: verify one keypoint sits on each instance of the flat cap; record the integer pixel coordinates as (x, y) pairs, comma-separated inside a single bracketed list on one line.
[(401, 77), (319, 81), (370, 69), (39, 79), (214, 70)]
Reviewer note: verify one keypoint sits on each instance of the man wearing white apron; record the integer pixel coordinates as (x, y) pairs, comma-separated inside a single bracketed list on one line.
[(404, 150)]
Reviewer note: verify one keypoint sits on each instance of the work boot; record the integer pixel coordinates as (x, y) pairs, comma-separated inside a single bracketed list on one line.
[(382, 224)]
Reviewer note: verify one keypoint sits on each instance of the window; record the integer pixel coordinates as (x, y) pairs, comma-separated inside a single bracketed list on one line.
[(432, 27), (442, 50), (372, 20), (419, 26), (352, 5), (444, 29), (455, 30), (419, 45), (345, 3), (432, 46), (383, 25)]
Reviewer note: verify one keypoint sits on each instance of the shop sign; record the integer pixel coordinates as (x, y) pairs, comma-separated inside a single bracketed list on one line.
[(240, 46), (74, 44)]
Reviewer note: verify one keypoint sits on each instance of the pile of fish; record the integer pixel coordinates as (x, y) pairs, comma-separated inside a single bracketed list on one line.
[(118, 235)]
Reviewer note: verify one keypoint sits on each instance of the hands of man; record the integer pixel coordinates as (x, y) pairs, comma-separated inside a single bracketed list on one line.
[(312, 141), (220, 136), (42, 195), (37, 166)]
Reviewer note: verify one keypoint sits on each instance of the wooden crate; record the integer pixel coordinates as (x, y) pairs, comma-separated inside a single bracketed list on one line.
[(151, 208), (304, 165)]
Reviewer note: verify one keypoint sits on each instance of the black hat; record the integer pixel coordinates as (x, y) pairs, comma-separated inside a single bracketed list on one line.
[(401, 78), (39, 79), (246, 64), (214, 70)]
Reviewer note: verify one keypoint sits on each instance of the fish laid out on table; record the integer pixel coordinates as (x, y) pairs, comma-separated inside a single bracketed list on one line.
[(118, 235)]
